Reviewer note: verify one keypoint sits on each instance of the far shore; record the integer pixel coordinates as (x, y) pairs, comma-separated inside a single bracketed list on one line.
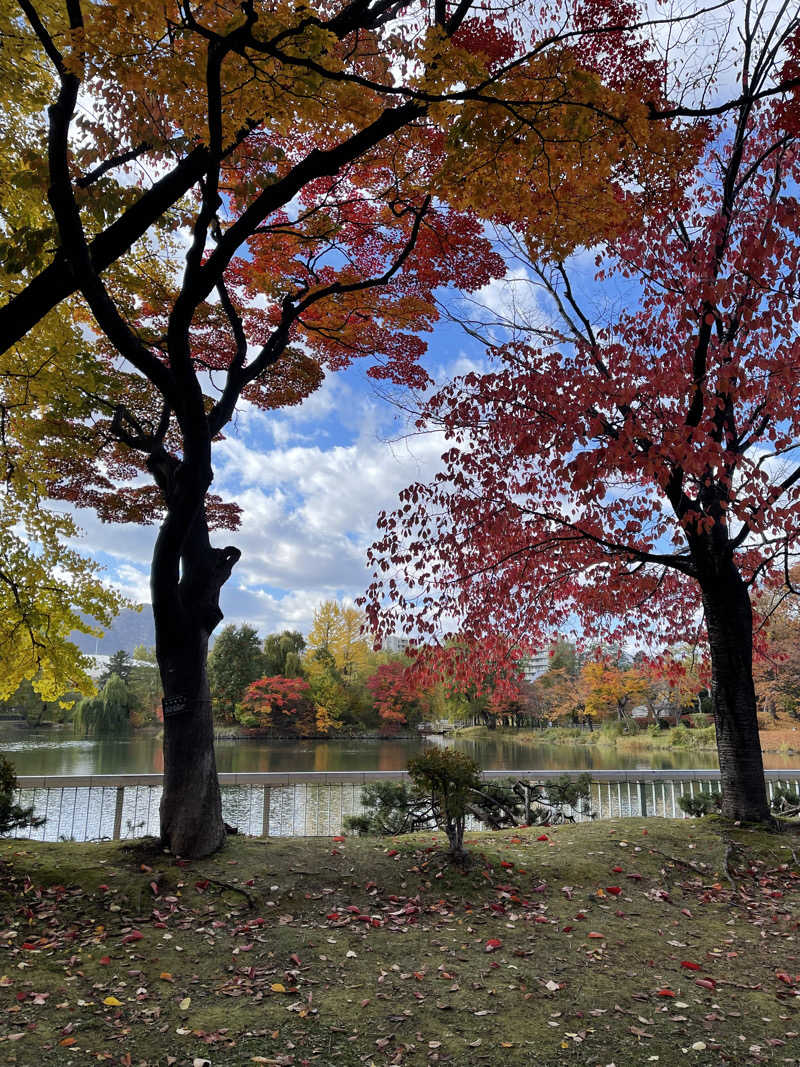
[(783, 740)]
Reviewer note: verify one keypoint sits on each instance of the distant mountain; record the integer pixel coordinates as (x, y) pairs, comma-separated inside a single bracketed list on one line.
[(129, 629)]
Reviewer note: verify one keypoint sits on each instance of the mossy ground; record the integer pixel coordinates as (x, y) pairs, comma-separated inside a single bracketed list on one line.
[(571, 949)]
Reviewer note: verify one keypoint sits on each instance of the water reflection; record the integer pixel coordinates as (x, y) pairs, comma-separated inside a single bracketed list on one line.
[(52, 751)]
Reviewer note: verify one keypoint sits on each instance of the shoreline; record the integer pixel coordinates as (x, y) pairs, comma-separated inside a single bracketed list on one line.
[(783, 741)]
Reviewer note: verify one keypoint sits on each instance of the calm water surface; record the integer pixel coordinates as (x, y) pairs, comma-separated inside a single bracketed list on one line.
[(58, 751)]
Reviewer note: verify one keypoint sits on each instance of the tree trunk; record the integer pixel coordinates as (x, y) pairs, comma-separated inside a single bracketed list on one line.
[(191, 806), (729, 622), (186, 578)]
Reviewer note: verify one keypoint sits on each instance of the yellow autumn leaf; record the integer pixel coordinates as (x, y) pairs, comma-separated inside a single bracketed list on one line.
[(277, 987), (165, 976), (184, 1004), (112, 1002)]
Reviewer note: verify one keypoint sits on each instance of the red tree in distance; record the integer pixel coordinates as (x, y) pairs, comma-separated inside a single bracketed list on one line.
[(397, 696), (637, 474)]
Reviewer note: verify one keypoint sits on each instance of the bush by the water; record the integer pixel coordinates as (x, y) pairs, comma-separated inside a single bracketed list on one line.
[(12, 815), (700, 804), (446, 788)]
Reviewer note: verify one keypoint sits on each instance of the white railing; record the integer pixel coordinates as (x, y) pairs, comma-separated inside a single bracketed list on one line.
[(314, 803)]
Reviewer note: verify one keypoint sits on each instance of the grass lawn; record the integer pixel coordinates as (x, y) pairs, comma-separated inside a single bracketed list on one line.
[(619, 942)]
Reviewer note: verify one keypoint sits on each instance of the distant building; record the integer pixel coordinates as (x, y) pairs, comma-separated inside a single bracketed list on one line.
[(100, 665), (395, 643), (535, 664)]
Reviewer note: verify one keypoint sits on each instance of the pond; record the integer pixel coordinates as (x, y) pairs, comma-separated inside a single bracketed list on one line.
[(58, 751)]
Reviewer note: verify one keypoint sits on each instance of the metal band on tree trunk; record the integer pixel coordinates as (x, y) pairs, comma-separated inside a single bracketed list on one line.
[(181, 705)]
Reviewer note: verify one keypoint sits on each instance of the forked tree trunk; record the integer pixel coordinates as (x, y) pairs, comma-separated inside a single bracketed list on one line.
[(186, 578), (729, 621)]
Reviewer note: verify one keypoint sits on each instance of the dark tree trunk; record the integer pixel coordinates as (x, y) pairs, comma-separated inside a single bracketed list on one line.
[(186, 578), (729, 622)]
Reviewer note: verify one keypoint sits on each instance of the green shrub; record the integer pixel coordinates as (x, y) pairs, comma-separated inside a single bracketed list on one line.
[(447, 778), (706, 735), (12, 815), (680, 736), (549, 801), (785, 801), (612, 730), (701, 804)]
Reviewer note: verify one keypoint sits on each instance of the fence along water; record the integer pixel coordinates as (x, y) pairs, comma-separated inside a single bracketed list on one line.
[(314, 804)]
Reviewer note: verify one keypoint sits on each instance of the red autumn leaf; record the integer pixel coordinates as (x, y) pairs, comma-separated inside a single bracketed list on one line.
[(104, 960), (614, 890), (690, 966), (784, 977), (617, 870), (542, 837), (134, 935), (665, 993), (339, 838), (706, 983), (392, 852), (493, 944)]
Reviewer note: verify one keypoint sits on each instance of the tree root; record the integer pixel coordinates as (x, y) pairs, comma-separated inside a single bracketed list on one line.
[(251, 901), (678, 862)]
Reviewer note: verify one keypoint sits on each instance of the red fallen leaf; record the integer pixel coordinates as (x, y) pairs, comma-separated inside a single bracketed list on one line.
[(22, 996), (250, 881), (634, 877), (686, 912), (781, 975), (154, 887), (617, 870), (376, 922), (29, 946), (594, 934), (392, 852), (620, 914), (567, 929), (104, 960), (690, 966), (542, 837), (202, 884), (363, 918), (664, 993), (493, 944), (103, 888), (615, 890), (706, 983), (353, 909), (335, 852), (505, 863), (134, 935), (339, 838), (332, 915), (295, 959), (541, 919)]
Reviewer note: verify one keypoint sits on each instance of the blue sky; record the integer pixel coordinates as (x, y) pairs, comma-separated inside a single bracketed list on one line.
[(311, 481)]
